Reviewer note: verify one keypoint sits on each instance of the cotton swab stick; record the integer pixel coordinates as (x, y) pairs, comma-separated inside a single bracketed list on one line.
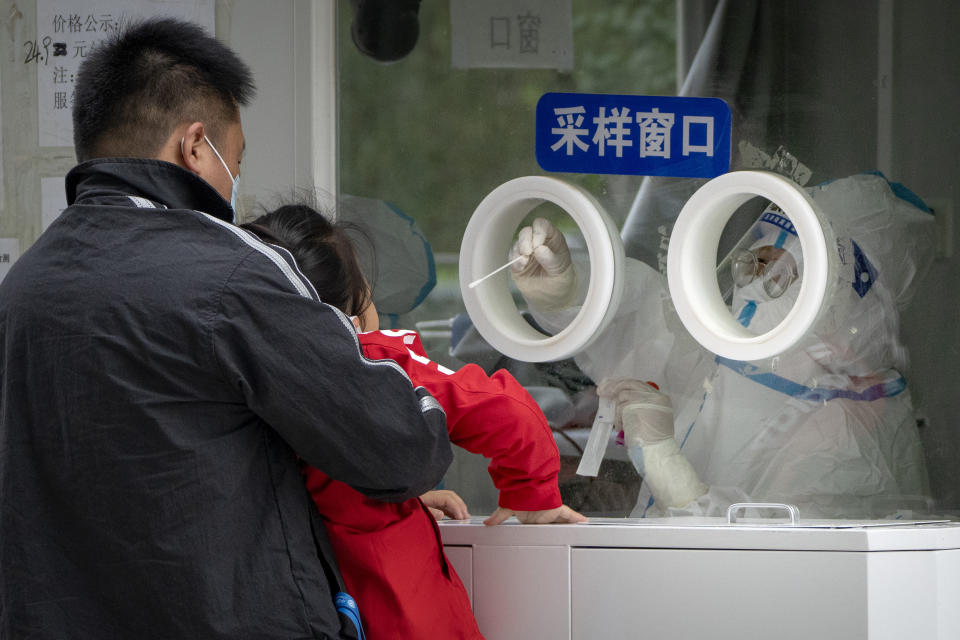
[(495, 271)]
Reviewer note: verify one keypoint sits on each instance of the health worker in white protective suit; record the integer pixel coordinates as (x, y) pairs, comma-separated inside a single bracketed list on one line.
[(828, 426)]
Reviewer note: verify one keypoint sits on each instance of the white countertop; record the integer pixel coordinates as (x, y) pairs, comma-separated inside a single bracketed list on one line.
[(712, 533)]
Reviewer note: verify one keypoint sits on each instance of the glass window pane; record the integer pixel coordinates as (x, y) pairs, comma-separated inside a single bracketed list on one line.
[(849, 101)]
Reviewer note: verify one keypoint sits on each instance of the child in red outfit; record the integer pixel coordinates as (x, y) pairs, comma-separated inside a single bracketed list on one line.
[(390, 554)]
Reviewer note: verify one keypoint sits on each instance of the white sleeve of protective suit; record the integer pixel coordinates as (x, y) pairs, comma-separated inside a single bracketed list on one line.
[(671, 479), (645, 340), (714, 501), (638, 323)]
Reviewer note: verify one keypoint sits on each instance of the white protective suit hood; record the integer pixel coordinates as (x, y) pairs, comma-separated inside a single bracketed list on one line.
[(884, 243), (886, 240)]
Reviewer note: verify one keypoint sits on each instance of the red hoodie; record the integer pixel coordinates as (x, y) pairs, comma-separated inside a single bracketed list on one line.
[(391, 554)]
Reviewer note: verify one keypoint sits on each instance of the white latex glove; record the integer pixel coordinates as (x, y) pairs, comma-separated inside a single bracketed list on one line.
[(646, 416), (643, 412), (545, 273)]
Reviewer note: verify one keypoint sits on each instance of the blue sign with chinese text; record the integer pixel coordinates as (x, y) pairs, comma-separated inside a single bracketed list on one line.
[(634, 135)]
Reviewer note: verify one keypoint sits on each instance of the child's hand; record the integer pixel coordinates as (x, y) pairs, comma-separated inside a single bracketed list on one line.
[(444, 502), (560, 515)]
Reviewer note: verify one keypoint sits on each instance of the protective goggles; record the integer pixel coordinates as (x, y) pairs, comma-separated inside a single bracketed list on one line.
[(776, 266)]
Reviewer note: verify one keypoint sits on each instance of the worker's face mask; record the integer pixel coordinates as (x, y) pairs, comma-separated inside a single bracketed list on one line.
[(234, 180), (757, 311)]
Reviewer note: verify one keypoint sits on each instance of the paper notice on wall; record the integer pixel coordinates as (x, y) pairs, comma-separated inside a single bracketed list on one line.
[(66, 34), (53, 200), (527, 34), (9, 252)]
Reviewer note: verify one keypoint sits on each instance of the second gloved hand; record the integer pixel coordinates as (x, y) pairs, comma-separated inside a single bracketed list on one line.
[(643, 412), (545, 274), (646, 416)]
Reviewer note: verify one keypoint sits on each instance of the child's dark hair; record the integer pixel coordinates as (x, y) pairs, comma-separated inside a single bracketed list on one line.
[(138, 86), (323, 250)]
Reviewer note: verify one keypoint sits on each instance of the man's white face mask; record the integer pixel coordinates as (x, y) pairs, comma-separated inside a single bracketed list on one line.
[(235, 180)]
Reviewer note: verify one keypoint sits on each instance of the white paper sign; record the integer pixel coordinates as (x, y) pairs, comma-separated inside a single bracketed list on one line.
[(512, 33), (53, 200), (68, 31), (9, 252)]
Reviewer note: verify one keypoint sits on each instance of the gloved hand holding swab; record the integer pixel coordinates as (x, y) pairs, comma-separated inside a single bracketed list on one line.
[(548, 280), (489, 234)]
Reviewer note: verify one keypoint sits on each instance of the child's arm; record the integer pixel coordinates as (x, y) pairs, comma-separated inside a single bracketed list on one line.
[(493, 416)]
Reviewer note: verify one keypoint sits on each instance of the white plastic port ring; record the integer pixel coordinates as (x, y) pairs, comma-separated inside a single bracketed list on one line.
[(486, 243), (691, 264)]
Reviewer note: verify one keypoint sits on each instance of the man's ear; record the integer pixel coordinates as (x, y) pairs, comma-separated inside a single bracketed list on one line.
[(193, 147)]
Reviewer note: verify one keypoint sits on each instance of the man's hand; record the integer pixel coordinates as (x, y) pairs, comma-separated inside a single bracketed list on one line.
[(443, 502), (545, 273), (561, 515)]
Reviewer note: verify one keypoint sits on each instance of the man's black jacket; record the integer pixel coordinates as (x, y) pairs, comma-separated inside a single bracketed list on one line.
[(161, 371)]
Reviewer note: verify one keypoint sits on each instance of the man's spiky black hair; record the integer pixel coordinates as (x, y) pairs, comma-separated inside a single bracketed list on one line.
[(138, 86)]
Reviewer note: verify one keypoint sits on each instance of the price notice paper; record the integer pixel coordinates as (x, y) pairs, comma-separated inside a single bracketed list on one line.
[(66, 34)]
